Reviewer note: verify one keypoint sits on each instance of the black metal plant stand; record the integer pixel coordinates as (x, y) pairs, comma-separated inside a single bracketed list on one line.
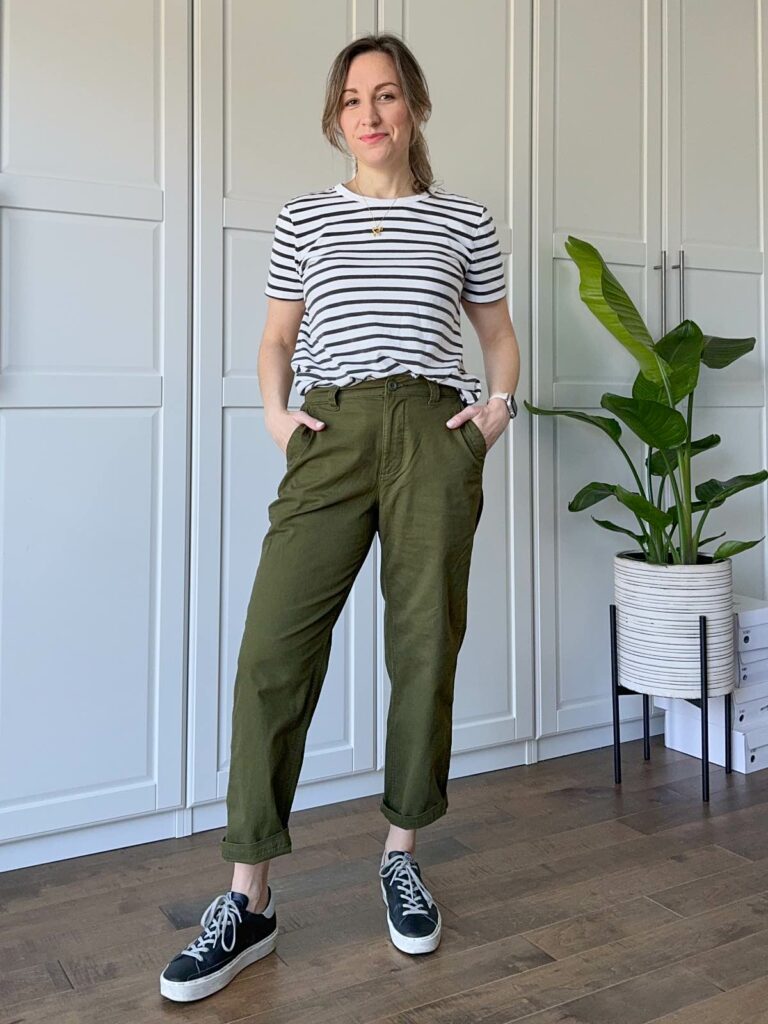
[(702, 702)]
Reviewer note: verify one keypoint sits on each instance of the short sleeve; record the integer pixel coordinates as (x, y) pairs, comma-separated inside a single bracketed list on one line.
[(484, 277), (283, 280)]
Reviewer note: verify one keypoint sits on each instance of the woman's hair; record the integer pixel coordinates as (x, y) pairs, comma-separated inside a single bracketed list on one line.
[(415, 93)]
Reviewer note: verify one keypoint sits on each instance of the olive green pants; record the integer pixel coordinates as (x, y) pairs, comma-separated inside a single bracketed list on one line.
[(384, 463)]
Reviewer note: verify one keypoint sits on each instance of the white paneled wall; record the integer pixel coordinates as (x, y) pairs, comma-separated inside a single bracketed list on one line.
[(146, 150), (95, 242), (650, 143)]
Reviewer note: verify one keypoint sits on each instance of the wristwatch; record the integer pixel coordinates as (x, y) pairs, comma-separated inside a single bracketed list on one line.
[(509, 401)]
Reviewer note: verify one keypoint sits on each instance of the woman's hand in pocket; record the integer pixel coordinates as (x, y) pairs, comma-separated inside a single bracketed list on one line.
[(491, 419), (282, 425)]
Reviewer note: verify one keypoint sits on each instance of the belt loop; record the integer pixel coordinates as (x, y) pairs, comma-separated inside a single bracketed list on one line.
[(334, 395), (434, 392)]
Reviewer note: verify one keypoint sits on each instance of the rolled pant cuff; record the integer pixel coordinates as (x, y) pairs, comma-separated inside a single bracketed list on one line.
[(414, 820), (254, 853)]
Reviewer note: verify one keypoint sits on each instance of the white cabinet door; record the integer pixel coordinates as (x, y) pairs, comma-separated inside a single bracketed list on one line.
[(479, 146), (639, 175), (597, 144), (716, 227), (94, 294), (258, 143)]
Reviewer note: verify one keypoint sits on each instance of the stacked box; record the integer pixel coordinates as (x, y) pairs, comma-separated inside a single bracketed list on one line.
[(749, 734)]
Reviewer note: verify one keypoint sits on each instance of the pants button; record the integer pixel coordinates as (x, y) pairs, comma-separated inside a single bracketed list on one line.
[(392, 385)]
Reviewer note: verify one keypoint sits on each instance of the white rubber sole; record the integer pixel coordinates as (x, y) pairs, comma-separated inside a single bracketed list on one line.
[(188, 991), (425, 944)]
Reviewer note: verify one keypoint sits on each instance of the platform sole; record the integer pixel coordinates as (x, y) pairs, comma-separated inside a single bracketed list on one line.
[(199, 988)]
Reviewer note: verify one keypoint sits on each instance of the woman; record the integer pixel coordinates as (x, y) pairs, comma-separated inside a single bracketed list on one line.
[(364, 286)]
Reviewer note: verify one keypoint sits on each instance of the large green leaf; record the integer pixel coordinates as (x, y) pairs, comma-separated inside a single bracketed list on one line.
[(654, 423), (596, 491), (605, 423), (681, 349), (658, 466), (714, 492), (608, 525), (642, 507), (720, 352), (603, 294), (733, 547), (696, 506), (590, 494), (708, 540)]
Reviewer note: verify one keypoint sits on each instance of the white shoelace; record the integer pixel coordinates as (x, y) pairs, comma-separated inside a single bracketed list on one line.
[(408, 883), (220, 913)]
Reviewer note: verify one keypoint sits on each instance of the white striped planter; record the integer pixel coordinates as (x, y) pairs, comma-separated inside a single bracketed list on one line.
[(657, 626)]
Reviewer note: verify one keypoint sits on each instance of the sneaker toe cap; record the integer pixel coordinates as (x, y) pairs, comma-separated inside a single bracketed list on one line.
[(182, 968), (417, 926)]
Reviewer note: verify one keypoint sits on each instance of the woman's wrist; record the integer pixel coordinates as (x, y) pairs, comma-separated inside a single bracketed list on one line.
[(499, 407)]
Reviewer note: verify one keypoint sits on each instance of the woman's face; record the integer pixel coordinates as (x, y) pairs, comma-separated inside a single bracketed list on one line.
[(372, 104)]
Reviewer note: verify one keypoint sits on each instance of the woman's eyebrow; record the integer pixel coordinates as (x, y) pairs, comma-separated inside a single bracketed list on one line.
[(375, 87)]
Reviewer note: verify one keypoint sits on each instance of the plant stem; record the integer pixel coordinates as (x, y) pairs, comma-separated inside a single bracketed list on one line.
[(697, 535), (683, 523), (648, 540), (684, 461)]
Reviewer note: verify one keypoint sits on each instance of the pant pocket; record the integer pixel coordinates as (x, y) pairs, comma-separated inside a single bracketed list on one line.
[(299, 440), (475, 439), (295, 439)]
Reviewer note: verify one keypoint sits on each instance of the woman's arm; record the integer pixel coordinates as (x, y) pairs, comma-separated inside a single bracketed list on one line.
[(274, 367), (501, 357)]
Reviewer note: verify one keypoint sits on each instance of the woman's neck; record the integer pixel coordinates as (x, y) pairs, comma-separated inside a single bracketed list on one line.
[(372, 191)]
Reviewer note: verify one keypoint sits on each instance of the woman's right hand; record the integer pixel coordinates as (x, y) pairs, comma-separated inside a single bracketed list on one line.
[(281, 425)]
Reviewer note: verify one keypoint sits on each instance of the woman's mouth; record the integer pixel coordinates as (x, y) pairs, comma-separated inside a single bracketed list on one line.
[(373, 138)]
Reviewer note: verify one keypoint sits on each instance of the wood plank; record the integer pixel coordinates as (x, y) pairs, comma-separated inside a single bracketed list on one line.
[(702, 894), (584, 931), (24, 983), (517, 915), (747, 1005), (635, 1001), (735, 963)]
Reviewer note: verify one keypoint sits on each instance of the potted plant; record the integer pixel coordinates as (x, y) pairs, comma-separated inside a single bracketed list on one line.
[(664, 585)]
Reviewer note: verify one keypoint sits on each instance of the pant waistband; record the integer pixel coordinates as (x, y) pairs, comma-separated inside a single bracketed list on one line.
[(395, 382)]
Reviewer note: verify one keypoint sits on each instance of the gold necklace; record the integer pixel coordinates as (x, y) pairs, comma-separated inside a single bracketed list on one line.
[(376, 229)]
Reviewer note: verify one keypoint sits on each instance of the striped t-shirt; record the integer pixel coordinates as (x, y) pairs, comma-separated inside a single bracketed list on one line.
[(379, 305)]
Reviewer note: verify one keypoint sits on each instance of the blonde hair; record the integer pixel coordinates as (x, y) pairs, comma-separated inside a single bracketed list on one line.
[(415, 93)]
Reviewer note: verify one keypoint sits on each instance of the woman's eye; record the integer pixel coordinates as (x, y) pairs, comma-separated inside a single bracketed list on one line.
[(389, 94)]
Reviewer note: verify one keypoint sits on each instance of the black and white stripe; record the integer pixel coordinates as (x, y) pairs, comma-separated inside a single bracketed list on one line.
[(388, 304)]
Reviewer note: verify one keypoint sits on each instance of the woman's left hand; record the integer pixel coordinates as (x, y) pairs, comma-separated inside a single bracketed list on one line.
[(491, 419)]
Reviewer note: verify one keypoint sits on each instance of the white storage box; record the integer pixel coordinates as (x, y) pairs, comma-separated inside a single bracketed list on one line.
[(682, 731), (749, 709), (754, 657), (752, 672), (751, 611), (748, 694), (751, 625)]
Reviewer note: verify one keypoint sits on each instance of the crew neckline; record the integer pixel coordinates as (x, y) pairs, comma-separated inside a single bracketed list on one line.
[(342, 189)]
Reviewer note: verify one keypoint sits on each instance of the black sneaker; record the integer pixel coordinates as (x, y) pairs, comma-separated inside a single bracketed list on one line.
[(233, 938), (412, 915)]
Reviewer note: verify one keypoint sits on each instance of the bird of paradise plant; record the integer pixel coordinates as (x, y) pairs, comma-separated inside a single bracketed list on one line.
[(668, 375)]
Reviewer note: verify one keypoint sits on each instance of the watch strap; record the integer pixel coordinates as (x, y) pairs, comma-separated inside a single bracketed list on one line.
[(509, 401)]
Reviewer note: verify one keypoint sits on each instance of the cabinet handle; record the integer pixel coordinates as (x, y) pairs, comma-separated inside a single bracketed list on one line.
[(663, 268), (681, 267)]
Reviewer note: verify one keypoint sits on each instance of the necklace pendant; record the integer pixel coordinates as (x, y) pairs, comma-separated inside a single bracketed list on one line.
[(377, 229)]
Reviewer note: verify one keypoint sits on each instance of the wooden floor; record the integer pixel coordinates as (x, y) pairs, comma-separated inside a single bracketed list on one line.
[(564, 899)]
